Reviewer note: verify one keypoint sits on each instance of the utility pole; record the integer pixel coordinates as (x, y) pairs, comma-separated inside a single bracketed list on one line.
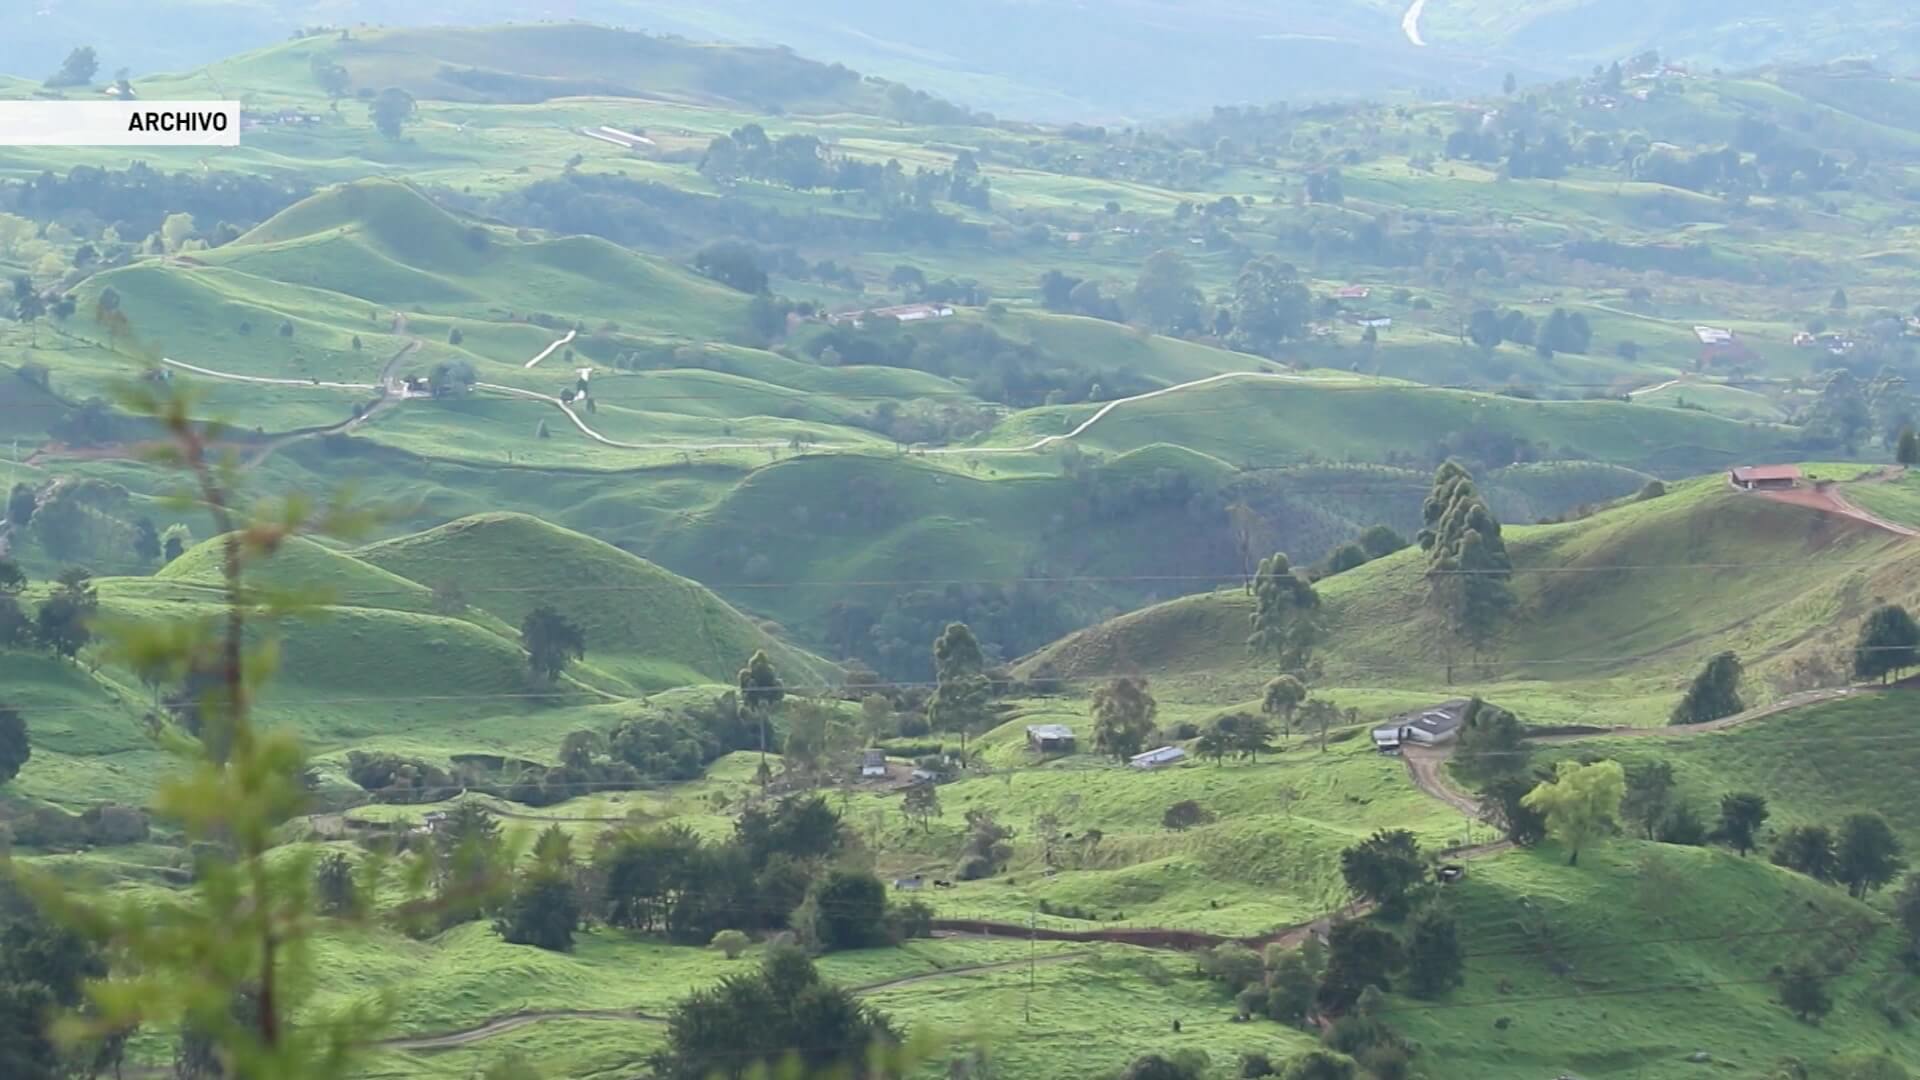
[(1033, 938)]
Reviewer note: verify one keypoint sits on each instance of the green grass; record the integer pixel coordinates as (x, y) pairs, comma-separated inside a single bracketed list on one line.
[(1616, 611)]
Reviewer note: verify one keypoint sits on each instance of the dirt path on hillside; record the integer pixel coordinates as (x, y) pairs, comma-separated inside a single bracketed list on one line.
[(548, 351), (1426, 766), (500, 1025), (1828, 499), (1760, 712)]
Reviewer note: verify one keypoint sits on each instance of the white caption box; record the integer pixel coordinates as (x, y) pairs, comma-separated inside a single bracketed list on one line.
[(119, 123)]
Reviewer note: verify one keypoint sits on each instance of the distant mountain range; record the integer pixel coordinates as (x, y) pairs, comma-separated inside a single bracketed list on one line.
[(1089, 60)]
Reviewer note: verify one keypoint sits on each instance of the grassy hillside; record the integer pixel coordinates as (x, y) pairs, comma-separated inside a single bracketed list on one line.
[(652, 627), (1619, 608)]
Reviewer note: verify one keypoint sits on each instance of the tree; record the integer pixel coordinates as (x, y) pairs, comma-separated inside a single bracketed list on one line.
[(333, 79), (1359, 955), (1889, 643), (77, 69), (551, 640), (1682, 826), (240, 930), (1580, 803), (961, 693), (334, 888), (1492, 741), (1292, 982), (28, 306), (851, 910), (1907, 450), (1283, 617), (20, 504), (1838, 301), (1504, 805), (1741, 815), (146, 541), (1866, 854), (62, 622), (1803, 990), (1157, 1067), (1165, 296), (1714, 693), (1319, 714), (15, 749), (1123, 712), (1435, 963), (759, 684), (1509, 84), (1347, 556), (1269, 305), (1468, 568), (1807, 849), (451, 378), (1283, 694), (921, 801), (733, 264), (1247, 735), (730, 943), (1649, 796), (1320, 1065), (390, 110), (1485, 329), (1379, 541), (1184, 815), (754, 1021), (175, 541), (1384, 868)]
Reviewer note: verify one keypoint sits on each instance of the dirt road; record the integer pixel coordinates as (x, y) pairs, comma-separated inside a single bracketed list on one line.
[(1792, 701), (1829, 500)]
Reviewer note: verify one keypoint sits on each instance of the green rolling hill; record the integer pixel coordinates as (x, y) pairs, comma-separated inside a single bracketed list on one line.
[(1616, 611)]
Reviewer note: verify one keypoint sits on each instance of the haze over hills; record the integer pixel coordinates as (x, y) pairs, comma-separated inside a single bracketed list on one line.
[(1229, 592), (1056, 60)]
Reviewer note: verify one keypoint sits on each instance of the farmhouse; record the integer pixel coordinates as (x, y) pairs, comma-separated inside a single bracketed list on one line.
[(1354, 292), (905, 313), (1423, 727), (1154, 759), (1713, 335), (1050, 738), (1374, 320), (1765, 477), (873, 763)]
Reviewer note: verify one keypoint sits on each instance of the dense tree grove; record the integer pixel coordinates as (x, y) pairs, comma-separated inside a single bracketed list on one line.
[(1714, 694), (1468, 569), (757, 1020)]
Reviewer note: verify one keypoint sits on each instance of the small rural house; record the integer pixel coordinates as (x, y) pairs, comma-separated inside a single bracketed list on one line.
[(905, 313), (1423, 727), (1765, 477), (1354, 292), (873, 763), (1154, 759), (1713, 335), (1050, 738)]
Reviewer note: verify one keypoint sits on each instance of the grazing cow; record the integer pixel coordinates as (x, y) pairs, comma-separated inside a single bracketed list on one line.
[(938, 884)]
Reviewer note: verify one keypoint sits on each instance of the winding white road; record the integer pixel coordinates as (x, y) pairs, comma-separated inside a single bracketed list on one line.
[(1040, 443), (1410, 23), (548, 351)]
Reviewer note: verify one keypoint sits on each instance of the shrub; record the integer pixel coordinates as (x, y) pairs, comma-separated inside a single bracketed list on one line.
[(973, 868), (731, 943)]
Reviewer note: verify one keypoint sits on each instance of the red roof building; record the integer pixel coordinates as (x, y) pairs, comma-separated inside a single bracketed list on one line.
[(1765, 477)]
